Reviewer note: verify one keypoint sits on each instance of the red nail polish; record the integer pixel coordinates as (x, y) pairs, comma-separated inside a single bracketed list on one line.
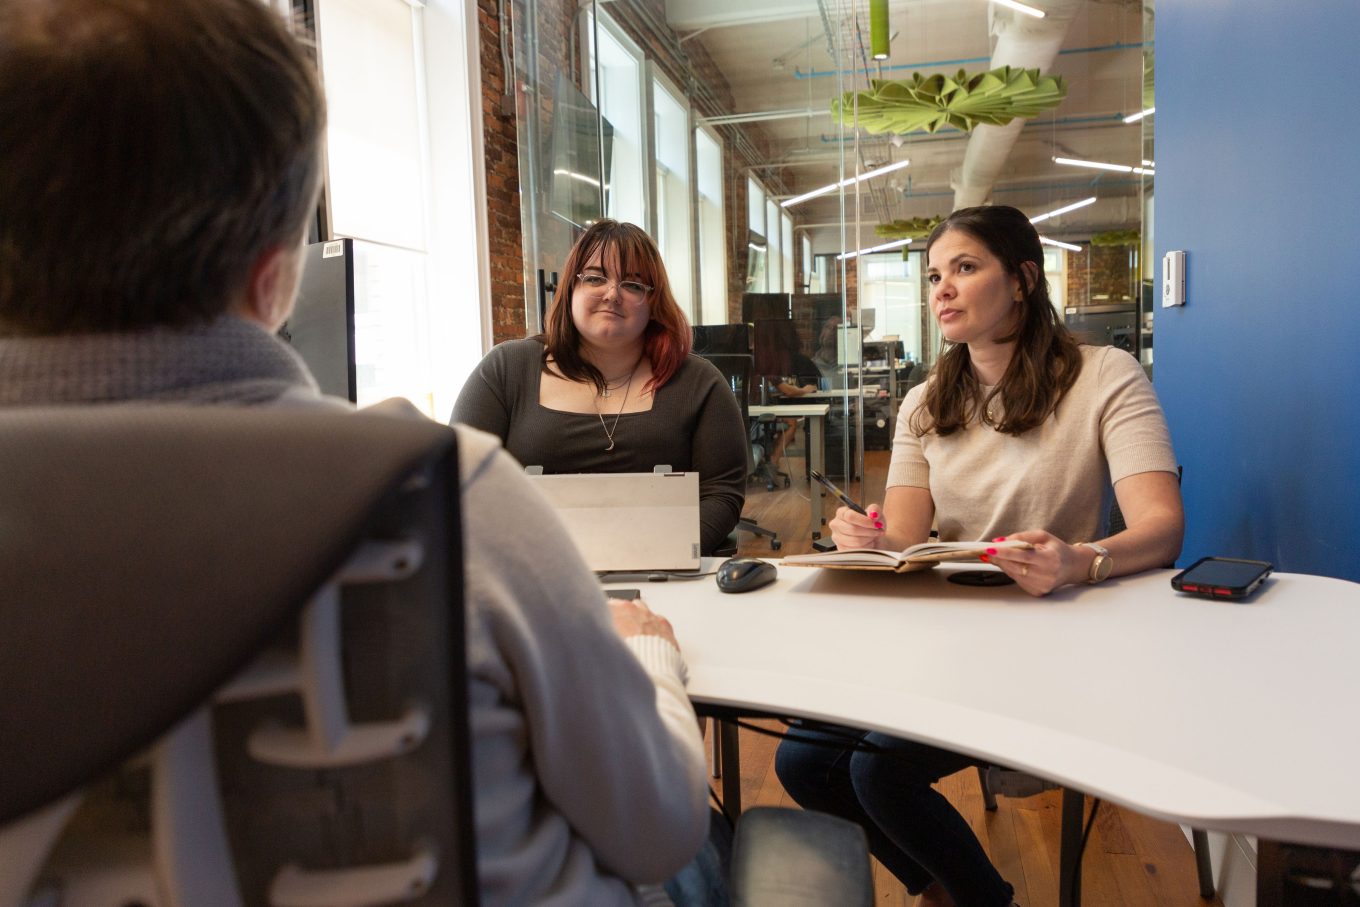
[(999, 538), (991, 551), (878, 525), (873, 514), (984, 558)]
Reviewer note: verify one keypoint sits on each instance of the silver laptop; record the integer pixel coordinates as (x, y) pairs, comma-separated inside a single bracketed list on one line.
[(629, 521)]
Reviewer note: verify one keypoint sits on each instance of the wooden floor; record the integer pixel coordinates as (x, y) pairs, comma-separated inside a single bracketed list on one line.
[(1130, 859)]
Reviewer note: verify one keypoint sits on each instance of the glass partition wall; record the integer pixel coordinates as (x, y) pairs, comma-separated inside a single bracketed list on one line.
[(647, 113)]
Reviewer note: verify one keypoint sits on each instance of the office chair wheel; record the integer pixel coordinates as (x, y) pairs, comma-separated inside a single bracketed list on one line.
[(776, 544), (769, 485), (787, 481)]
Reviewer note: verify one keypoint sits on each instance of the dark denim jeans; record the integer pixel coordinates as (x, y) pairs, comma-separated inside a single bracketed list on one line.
[(703, 881), (912, 829)]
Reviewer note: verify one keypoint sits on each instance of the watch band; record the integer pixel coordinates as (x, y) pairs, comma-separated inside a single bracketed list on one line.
[(1102, 565)]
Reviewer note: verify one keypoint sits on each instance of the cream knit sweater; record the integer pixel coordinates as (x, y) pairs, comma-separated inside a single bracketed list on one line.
[(1055, 477)]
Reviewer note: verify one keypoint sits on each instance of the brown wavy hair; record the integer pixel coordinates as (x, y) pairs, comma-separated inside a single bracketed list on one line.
[(1047, 358), (666, 340), (150, 152)]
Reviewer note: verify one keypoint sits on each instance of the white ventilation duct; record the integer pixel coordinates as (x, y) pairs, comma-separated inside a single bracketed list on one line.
[(1027, 43)]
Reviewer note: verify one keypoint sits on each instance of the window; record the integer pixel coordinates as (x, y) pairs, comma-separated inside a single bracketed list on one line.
[(757, 244), (808, 263), (671, 121), (786, 244), (890, 287), (403, 179), (618, 94), (1055, 270), (774, 237), (712, 241)]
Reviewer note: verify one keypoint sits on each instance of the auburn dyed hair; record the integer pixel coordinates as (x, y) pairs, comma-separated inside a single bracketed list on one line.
[(1047, 358), (666, 340)]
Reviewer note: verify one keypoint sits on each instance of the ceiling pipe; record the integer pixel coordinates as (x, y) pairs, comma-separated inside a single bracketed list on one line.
[(962, 61), (1024, 43)]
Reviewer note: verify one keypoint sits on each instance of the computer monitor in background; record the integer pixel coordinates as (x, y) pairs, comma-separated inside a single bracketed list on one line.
[(877, 350), (755, 306), (321, 327), (723, 339)]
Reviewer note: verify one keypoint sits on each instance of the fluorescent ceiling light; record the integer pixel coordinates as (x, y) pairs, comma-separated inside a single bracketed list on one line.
[(1148, 170), (1135, 117), (1147, 163), (895, 244), (845, 182), (1027, 10), (578, 176), (1062, 245), (1097, 165), (1063, 210)]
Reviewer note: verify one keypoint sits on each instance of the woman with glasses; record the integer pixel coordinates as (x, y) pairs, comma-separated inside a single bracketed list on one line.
[(611, 386)]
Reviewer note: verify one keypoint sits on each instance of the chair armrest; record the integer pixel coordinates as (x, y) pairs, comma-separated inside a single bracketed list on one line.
[(784, 857)]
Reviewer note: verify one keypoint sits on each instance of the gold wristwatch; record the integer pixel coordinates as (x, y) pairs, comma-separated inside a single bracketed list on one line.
[(1102, 565)]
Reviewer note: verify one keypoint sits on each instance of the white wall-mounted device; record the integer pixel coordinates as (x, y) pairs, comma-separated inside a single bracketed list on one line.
[(1173, 279)]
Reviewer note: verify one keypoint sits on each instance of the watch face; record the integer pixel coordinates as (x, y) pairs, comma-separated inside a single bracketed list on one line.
[(1100, 568)]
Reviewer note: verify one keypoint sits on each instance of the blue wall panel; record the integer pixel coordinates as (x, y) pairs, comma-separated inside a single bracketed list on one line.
[(1258, 178)]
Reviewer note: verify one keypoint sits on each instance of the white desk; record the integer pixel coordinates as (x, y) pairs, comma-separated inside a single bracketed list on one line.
[(815, 413), (1230, 717), (864, 390)]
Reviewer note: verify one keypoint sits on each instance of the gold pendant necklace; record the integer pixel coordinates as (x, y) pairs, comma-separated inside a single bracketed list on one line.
[(609, 430)]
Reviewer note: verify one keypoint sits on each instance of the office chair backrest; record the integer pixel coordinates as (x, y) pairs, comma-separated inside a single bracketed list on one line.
[(736, 371), (151, 553)]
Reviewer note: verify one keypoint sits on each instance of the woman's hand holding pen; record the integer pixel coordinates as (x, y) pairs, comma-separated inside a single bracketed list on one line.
[(851, 529)]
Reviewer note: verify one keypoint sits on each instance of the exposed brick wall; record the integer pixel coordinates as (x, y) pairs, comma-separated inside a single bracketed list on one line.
[(502, 182), (1100, 275)]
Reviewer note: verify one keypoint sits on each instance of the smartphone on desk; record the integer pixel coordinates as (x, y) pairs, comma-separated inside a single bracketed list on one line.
[(1222, 577)]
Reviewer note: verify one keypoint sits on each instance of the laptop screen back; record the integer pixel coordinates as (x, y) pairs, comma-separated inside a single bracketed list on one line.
[(629, 521)]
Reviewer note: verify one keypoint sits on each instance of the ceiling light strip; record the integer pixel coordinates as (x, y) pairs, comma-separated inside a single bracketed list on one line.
[(868, 174), (1135, 117), (895, 244), (1061, 245), (1063, 210), (1095, 165), (1021, 7)]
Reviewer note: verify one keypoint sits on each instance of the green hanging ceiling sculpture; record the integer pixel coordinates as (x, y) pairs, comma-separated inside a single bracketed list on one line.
[(931, 102), (911, 228)]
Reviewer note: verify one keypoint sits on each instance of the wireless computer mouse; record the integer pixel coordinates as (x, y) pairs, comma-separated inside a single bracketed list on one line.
[(742, 574)]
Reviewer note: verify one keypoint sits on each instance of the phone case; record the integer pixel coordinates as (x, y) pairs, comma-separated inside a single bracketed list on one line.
[(1186, 582)]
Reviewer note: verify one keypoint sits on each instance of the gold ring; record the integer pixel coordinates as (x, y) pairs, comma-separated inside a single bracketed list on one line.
[(1024, 569)]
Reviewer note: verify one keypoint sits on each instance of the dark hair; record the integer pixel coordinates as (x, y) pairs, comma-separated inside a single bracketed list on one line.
[(1047, 359), (150, 152), (666, 339)]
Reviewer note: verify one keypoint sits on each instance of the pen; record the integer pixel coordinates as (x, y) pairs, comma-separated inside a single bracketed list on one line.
[(845, 499)]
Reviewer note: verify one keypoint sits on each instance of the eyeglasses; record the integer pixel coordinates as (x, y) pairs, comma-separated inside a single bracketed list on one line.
[(630, 290)]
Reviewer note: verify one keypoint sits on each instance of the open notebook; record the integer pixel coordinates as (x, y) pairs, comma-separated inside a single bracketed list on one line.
[(629, 521)]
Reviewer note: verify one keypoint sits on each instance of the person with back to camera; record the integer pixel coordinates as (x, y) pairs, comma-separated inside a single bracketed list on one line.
[(1017, 433), (611, 386), (150, 245)]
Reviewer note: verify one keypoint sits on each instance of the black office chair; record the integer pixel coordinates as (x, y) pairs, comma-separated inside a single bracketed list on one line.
[(287, 582), (736, 371)]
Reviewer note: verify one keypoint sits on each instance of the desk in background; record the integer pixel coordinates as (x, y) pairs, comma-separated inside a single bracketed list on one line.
[(1229, 717), (815, 413)]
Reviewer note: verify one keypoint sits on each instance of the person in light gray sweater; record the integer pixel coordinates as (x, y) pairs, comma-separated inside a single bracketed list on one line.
[(167, 284)]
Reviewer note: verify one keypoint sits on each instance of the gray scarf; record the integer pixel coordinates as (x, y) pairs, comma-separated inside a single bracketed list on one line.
[(229, 360)]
